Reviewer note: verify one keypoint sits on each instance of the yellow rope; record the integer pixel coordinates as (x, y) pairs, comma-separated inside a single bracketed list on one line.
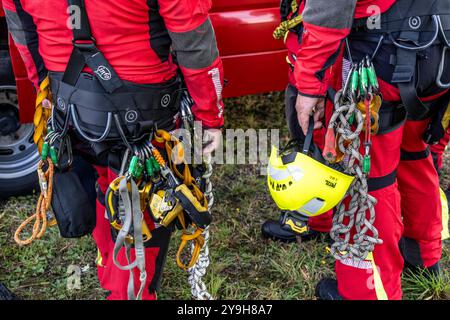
[(284, 27), (41, 113)]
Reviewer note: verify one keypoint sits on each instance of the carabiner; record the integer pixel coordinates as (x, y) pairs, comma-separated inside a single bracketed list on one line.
[(420, 47), (441, 71), (65, 145), (83, 134)]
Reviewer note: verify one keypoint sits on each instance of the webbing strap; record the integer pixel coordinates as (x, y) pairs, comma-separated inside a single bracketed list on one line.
[(85, 52), (412, 156), (405, 77), (382, 182), (133, 216)]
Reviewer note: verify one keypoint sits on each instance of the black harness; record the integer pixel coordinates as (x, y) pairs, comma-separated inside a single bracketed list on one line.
[(100, 105), (412, 27)]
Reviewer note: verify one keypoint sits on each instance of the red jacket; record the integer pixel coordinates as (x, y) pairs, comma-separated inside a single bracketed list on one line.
[(326, 24), (135, 36)]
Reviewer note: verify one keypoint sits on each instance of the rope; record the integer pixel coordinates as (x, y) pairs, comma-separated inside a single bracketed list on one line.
[(344, 220), (41, 113), (198, 271), (43, 205), (282, 29)]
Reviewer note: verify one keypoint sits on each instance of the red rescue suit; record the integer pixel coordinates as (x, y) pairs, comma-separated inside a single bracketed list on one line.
[(136, 38), (408, 212)]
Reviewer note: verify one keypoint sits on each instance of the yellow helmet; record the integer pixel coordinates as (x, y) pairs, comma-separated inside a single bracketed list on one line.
[(297, 182)]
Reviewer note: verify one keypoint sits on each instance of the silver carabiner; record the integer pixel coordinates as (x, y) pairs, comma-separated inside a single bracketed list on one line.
[(439, 82), (65, 145), (83, 134), (436, 20)]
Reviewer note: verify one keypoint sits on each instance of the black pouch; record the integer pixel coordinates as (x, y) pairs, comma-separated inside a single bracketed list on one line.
[(73, 208)]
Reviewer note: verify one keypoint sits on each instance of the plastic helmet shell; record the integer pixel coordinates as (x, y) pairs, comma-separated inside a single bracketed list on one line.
[(304, 184)]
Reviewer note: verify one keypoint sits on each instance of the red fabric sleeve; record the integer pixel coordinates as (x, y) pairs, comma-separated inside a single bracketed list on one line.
[(320, 47), (193, 37), (326, 25), (23, 31)]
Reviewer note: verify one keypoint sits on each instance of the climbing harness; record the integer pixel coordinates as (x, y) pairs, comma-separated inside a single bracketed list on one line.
[(154, 182), (413, 28), (290, 18), (356, 109), (102, 107)]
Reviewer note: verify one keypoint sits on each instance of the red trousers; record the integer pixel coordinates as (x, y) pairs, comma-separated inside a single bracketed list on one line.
[(408, 213), (112, 278)]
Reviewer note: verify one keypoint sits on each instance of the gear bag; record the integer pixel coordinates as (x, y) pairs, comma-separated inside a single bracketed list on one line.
[(74, 214), (413, 27), (73, 200), (100, 105)]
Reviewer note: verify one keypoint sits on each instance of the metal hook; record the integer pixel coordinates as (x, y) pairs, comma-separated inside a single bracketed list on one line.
[(83, 134), (422, 47), (442, 32), (441, 70)]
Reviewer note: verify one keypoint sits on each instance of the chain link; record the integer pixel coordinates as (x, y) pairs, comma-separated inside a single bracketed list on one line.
[(359, 213)]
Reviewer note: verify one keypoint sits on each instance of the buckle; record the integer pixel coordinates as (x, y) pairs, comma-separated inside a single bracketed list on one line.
[(84, 43)]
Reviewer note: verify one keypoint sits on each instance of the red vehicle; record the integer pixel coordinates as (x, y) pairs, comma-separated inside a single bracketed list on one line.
[(254, 62)]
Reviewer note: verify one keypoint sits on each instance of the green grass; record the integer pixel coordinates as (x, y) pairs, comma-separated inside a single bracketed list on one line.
[(243, 265)]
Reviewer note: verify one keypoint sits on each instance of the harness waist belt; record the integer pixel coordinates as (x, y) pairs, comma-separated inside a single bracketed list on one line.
[(137, 107)]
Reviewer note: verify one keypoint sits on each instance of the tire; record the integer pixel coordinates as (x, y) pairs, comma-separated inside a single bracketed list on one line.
[(18, 153)]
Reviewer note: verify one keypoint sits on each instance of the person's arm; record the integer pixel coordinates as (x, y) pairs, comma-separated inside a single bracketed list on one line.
[(194, 42), (326, 24), (23, 32)]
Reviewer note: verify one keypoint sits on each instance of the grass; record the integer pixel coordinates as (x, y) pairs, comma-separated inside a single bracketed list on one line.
[(243, 265)]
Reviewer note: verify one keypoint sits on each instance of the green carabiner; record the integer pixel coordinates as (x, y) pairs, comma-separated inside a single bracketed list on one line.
[(45, 150), (54, 155), (366, 164), (156, 166), (149, 168)]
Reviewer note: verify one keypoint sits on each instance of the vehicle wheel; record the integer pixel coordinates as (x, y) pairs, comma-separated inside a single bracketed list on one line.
[(18, 153)]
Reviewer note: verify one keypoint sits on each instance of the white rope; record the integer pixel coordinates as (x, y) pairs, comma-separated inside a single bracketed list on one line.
[(198, 271)]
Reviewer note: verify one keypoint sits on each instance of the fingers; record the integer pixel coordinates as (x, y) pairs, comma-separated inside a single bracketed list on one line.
[(307, 106), (303, 120), (211, 138), (46, 104)]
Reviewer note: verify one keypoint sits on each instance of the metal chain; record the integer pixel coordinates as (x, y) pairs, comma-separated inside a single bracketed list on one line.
[(354, 214), (198, 271)]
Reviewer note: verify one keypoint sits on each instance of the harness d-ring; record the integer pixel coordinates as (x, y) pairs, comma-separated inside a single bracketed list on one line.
[(441, 71), (422, 47), (83, 134)]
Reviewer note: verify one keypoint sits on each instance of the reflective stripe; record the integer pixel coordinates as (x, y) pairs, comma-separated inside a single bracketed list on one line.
[(215, 75), (379, 288), (99, 259), (444, 202)]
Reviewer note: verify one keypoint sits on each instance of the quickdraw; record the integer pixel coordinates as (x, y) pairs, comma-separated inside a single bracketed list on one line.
[(356, 109)]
